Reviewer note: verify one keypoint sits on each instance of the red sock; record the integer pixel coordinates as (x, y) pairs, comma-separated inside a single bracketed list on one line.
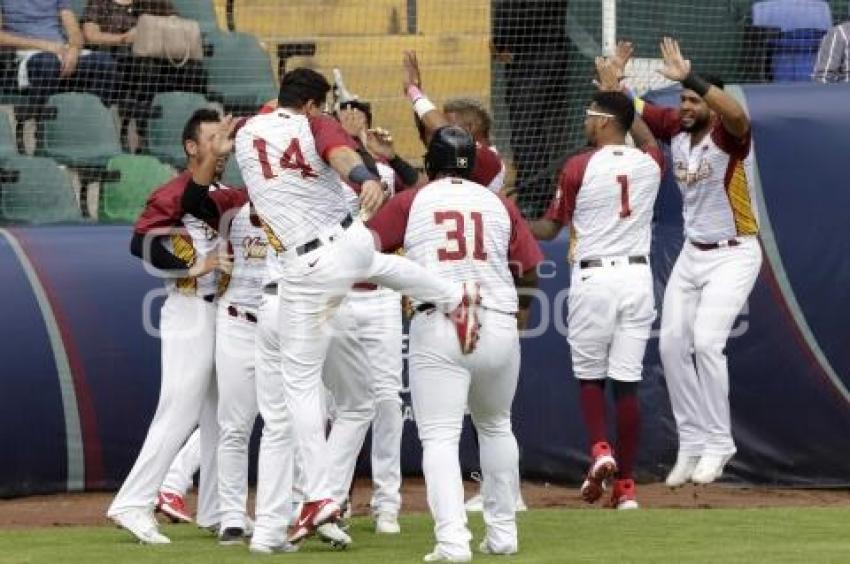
[(592, 400), (628, 428)]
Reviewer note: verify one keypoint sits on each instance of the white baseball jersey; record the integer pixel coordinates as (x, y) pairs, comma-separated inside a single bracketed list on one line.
[(462, 231), (247, 243), (607, 196), (283, 159), (715, 178)]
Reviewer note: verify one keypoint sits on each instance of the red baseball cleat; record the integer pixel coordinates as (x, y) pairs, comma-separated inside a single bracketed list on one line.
[(601, 471), (173, 506), (465, 317), (313, 515), (623, 496)]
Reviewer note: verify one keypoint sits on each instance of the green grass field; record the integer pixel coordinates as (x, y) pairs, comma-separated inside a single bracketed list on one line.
[(718, 536)]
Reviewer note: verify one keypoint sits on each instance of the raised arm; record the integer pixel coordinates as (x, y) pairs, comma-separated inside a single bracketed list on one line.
[(731, 114), (429, 117)]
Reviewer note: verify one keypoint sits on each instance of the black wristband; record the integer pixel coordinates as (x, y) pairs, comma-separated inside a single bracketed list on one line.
[(360, 174), (696, 83), (406, 172)]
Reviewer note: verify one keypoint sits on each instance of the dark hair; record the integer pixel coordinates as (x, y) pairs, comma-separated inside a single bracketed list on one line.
[(193, 126), (474, 111), (302, 85), (619, 105), (364, 107)]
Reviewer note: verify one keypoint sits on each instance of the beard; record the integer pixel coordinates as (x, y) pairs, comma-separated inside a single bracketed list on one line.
[(694, 124)]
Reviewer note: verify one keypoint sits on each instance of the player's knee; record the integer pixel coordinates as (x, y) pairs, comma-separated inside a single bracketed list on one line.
[(706, 344), (234, 435)]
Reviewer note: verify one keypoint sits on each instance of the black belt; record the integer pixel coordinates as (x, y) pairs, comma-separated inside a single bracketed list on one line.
[(316, 243), (248, 316), (596, 263), (270, 289), (425, 308), (717, 245), (210, 298)]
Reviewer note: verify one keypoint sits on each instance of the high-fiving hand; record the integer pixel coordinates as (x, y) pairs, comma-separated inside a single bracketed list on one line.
[(675, 68)]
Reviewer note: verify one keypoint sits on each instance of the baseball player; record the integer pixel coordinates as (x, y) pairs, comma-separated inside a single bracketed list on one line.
[(236, 324), (489, 169), (171, 500), (238, 318), (186, 250), (711, 152), (462, 230), (363, 366), (292, 160), (606, 195)]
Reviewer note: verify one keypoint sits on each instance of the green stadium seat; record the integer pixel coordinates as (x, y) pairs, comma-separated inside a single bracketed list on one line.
[(239, 72), (36, 190), (201, 11), (8, 143), (82, 133), (232, 175), (171, 111), (122, 200)]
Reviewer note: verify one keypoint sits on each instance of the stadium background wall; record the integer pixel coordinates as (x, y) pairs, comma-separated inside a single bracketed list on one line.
[(80, 376)]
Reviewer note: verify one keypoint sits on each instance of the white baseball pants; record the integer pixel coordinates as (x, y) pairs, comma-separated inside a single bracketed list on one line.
[(442, 382), (187, 399), (237, 410), (277, 445), (363, 372), (704, 295), (181, 474), (611, 310), (310, 290)]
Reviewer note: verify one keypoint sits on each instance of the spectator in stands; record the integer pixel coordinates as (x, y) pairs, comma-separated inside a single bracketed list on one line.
[(833, 64), (49, 50), (530, 38), (111, 24)]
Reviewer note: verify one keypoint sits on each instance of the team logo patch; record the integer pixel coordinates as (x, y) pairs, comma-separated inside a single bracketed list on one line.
[(253, 248), (462, 162)]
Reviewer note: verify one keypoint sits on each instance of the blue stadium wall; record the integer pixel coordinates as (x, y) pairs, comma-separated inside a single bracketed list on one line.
[(80, 375)]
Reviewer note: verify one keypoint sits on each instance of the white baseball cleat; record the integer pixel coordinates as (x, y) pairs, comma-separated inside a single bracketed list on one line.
[(284, 548), (142, 525), (682, 470), (387, 524), (440, 556), (333, 535), (709, 468), (485, 548)]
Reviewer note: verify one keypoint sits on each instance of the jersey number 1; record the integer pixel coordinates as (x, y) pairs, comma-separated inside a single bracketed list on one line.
[(625, 210), (457, 235), (292, 159)]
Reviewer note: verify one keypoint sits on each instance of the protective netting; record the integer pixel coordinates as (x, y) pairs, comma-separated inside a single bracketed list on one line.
[(529, 61)]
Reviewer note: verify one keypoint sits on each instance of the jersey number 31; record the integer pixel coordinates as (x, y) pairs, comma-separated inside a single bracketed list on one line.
[(456, 234)]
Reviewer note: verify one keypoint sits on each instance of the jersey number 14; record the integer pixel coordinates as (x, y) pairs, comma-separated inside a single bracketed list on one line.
[(291, 159)]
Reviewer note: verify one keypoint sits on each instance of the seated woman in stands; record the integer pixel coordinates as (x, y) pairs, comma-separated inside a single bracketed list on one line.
[(111, 24)]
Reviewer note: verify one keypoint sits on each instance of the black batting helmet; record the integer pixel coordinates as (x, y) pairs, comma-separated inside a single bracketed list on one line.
[(450, 151)]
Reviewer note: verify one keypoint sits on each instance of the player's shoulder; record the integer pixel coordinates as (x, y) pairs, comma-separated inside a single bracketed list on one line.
[(172, 189)]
